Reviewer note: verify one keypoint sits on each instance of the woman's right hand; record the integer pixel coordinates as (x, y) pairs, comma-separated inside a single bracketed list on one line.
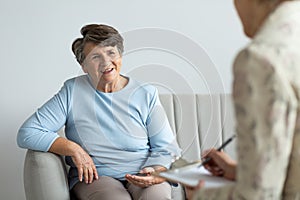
[(84, 163), (85, 166), (220, 164)]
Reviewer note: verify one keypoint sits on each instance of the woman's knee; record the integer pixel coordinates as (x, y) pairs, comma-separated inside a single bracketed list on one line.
[(104, 188), (161, 191)]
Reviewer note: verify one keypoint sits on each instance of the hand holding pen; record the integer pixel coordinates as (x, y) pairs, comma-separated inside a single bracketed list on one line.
[(207, 159), (219, 163)]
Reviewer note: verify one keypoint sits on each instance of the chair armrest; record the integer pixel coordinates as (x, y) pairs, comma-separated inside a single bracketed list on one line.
[(45, 176)]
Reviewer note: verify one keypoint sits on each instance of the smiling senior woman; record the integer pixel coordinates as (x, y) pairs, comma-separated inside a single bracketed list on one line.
[(266, 93), (115, 126)]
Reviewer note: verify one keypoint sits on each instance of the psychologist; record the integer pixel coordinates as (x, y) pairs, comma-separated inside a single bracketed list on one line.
[(266, 93)]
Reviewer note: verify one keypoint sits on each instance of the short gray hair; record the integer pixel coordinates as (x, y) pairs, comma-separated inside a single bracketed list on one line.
[(98, 34)]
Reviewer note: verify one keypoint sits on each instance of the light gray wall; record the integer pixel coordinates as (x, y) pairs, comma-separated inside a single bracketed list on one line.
[(201, 39)]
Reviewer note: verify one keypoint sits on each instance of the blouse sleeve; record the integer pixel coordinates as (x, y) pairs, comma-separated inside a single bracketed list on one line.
[(265, 108), (39, 131), (162, 140)]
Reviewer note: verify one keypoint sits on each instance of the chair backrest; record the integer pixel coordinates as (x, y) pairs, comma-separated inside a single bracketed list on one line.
[(200, 121)]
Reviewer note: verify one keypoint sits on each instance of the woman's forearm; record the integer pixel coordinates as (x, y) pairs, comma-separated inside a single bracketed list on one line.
[(65, 147)]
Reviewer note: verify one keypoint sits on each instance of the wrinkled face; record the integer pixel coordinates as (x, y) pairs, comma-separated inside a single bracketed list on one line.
[(102, 63)]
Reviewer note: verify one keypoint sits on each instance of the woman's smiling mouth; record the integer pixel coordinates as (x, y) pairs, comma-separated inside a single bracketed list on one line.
[(107, 71)]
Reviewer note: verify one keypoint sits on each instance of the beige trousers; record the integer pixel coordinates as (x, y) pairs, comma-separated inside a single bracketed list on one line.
[(107, 188)]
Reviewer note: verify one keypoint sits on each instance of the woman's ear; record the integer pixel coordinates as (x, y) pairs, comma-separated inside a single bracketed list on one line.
[(83, 68)]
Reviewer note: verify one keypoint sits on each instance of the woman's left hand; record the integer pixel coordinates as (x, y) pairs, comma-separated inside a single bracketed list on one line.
[(144, 178)]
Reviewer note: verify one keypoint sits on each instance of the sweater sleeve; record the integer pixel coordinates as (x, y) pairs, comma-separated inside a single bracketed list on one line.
[(162, 140), (265, 109), (39, 131)]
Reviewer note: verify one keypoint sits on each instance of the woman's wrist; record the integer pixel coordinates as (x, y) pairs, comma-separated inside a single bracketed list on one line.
[(63, 146)]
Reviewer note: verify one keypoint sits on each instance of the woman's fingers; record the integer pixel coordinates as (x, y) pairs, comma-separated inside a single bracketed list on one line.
[(80, 173), (147, 170), (86, 167), (90, 173), (141, 181), (86, 174), (95, 172)]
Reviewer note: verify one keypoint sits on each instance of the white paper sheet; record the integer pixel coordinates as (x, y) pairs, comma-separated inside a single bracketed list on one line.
[(191, 175)]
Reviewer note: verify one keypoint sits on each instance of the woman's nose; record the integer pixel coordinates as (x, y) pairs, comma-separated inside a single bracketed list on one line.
[(106, 61)]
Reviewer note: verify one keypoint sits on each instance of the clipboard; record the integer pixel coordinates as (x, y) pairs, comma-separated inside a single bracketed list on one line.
[(192, 174)]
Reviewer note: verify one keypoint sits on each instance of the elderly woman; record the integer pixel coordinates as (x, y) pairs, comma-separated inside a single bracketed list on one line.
[(266, 93), (115, 126)]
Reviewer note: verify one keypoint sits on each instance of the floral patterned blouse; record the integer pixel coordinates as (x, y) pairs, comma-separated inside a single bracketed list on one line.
[(266, 93)]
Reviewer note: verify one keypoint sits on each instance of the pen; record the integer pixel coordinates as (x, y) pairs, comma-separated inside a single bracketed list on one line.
[(218, 149)]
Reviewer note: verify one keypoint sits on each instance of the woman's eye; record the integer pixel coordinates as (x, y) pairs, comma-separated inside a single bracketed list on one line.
[(95, 57)]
